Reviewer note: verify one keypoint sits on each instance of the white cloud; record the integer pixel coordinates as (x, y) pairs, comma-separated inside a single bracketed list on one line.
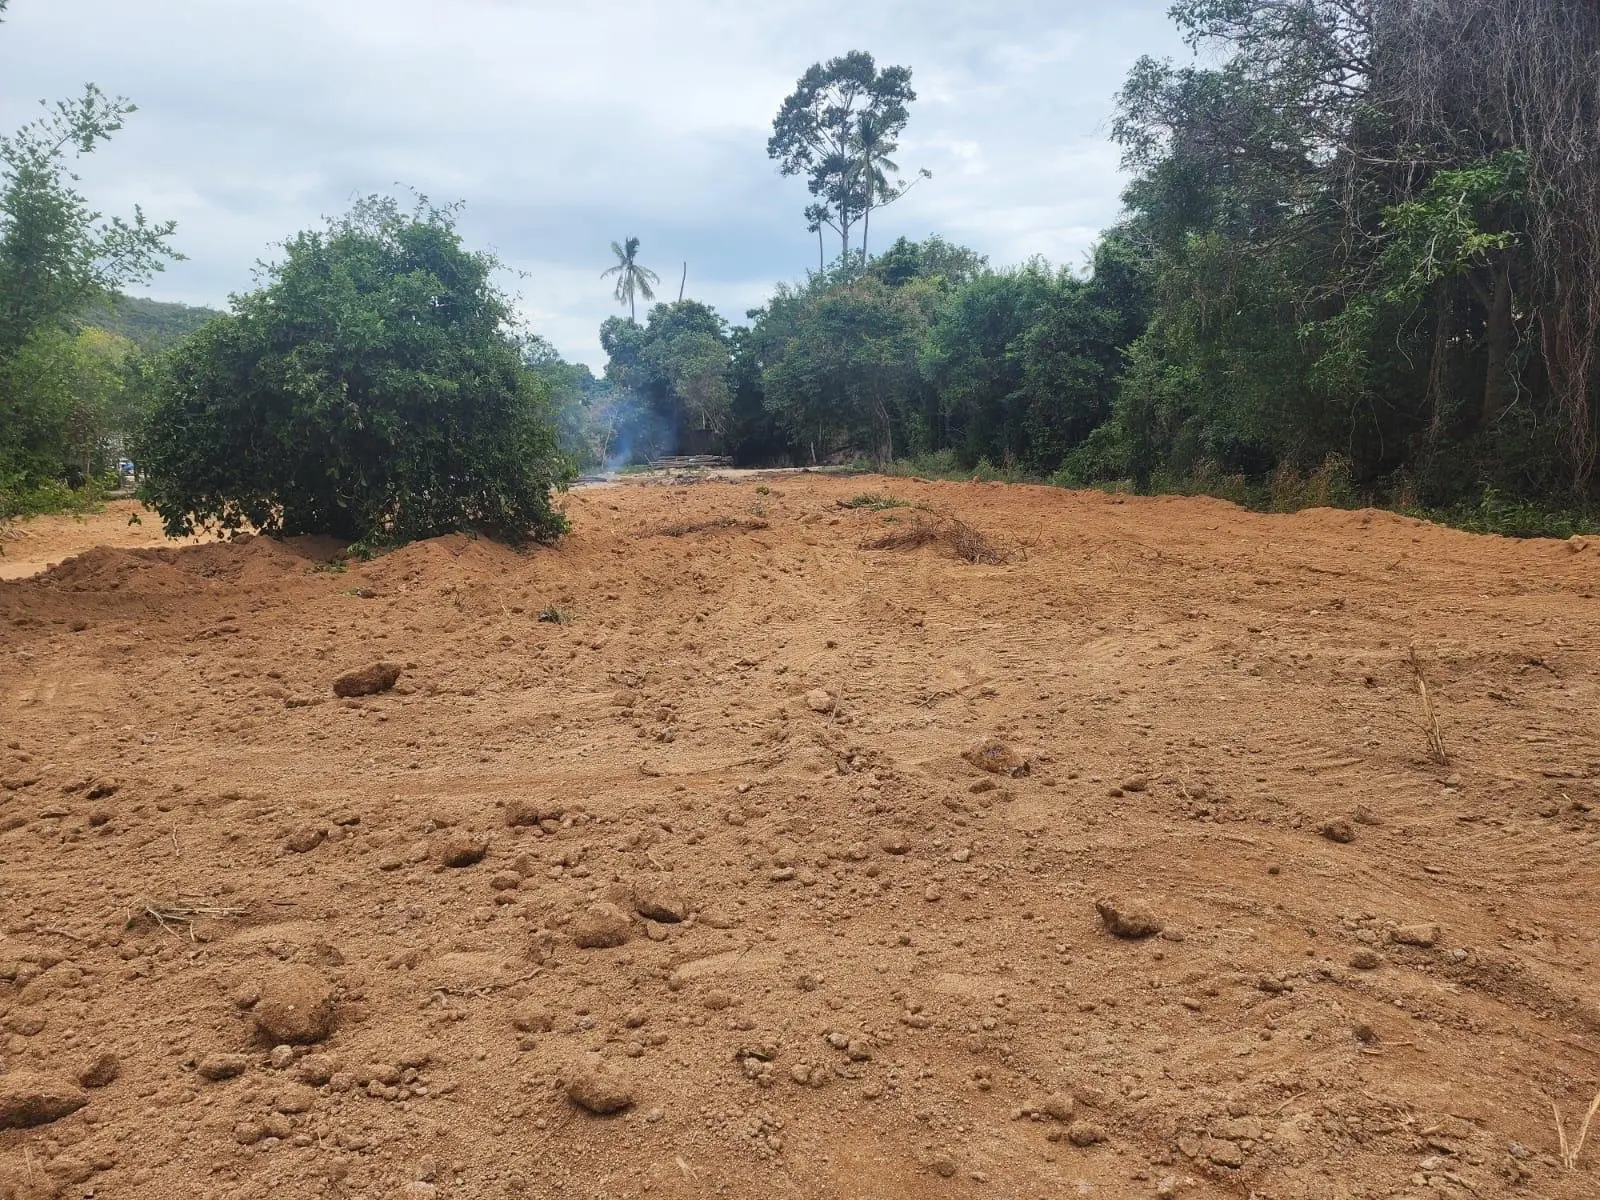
[(564, 124)]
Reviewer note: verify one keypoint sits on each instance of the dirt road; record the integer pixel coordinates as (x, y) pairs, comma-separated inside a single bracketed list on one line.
[(688, 794)]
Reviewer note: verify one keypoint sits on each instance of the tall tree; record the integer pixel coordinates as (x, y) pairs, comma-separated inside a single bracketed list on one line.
[(874, 143), (631, 276), (57, 256), (819, 133)]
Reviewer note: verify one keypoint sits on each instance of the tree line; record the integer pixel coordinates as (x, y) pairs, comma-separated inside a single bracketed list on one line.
[(1359, 252), (1361, 244)]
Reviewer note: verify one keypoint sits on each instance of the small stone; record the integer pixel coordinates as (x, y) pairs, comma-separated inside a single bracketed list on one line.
[(296, 1006), (217, 1067), (1339, 830), (530, 1016), (1417, 935), (1365, 960), (1128, 918), (305, 839), (1136, 783), (1225, 1154), (997, 758), (893, 841), (1085, 1133), (524, 810), (282, 1058), (101, 1071), (819, 700), (461, 848), (598, 1088), (296, 1098), (942, 1165), (248, 1133), (29, 1098), (316, 1069), (658, 902), (368, 681), (600, 926), (1057, 1106), (717, 1000), (932, 894)]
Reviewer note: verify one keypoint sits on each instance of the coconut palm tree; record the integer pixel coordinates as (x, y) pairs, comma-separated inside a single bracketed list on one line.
[(631, 277), (873, 144)]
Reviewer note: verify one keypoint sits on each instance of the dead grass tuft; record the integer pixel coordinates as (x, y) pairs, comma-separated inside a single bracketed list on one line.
[(684, 528), (183, 911), (948, 533)]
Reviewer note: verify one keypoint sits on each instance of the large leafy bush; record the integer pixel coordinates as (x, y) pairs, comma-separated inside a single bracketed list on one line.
[(372, 389)]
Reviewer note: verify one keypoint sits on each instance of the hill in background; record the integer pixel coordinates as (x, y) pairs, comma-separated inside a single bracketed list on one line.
[(149, 324)]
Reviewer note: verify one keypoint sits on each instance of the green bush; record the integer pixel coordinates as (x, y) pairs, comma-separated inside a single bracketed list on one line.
[(371, 390)]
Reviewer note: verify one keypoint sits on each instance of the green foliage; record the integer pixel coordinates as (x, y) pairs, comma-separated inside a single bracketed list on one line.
[(56, 254), (633, 279), (62, 394), (370, 389), (152, 325), (838, 128), (873, 501), (62, 391), (676, 369)]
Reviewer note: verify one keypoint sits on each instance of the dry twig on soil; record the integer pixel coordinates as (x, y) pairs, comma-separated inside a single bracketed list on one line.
[(1435, 739), (955, 535), (181, 911), (1571, 1151), (688, 527)]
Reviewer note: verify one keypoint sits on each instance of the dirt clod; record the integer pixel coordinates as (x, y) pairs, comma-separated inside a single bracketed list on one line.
[(1423, 935), (996, 757), (296, 1006), (598, 1087), (29, 1098), (1128, 918), (368, 681), (102, 1070), (600, 926), (461, 848)]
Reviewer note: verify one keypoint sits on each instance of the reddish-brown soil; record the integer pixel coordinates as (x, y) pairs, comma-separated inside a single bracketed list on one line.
[(892, 979)]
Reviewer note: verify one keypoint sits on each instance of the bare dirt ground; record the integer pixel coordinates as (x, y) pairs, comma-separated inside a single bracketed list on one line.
[(236, 959)]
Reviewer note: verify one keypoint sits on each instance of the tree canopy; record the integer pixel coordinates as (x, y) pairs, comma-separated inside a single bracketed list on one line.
[(373, 388)]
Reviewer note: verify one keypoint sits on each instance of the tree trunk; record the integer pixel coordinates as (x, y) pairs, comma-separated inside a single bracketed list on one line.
[(683, 281), (1497, 383), (866, 227)]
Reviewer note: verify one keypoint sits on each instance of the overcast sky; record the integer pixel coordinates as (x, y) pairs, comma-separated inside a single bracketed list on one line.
[(564, 124)]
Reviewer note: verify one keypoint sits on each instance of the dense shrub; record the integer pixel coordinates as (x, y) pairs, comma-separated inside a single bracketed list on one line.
[(371, 389)]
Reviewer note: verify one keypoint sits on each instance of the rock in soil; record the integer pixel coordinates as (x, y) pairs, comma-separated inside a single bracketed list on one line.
[(1417, 935), (1084, 1133), (659, 902), (29, 1098), (101, 1071), (997, 758), (820, 701), (1128, 918), (223, 1066), (368, 681), (305, 839), (461, 848), (599, 1088), (296, 1007), (600, 926), (1340, 831)]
